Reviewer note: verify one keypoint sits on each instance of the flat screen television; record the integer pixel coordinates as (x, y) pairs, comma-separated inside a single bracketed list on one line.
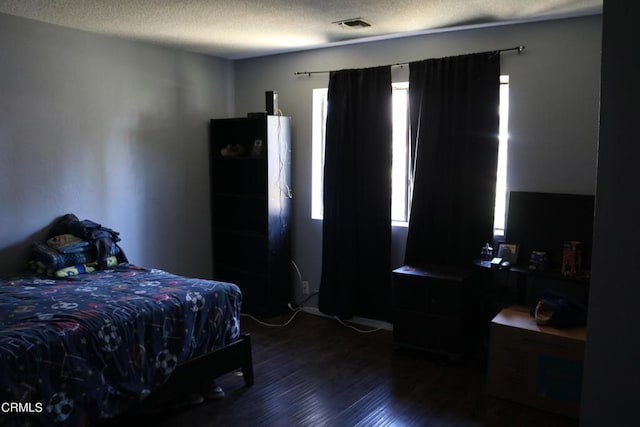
[(544, 221)]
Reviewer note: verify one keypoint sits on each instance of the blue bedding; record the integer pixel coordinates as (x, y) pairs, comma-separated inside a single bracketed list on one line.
[(86, 347)]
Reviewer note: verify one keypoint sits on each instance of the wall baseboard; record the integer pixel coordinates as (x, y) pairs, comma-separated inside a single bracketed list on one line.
[(360, 321)]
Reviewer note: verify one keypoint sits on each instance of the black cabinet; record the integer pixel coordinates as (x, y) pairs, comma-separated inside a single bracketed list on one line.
[(250, 163), (433, 309), (522, 286)]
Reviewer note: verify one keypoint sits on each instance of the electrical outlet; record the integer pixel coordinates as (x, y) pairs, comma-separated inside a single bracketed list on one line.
[(305, 288)]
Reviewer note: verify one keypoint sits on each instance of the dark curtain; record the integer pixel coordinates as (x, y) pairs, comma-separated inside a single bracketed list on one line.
[(357, 195), (454, 121)]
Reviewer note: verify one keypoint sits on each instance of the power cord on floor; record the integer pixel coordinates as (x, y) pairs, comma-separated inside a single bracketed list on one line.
[(272, 325), (295, 310), (362, 331), (298, 309)]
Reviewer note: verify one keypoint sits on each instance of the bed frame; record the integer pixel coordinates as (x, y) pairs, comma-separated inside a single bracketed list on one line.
[(233, 357)]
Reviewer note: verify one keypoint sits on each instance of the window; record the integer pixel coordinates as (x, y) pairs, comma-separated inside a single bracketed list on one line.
[(400, 163), (400, 197), (503, 142), (317, 151), (399, 168)]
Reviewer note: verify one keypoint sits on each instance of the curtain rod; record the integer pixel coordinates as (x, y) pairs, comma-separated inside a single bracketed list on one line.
[(308, 73)]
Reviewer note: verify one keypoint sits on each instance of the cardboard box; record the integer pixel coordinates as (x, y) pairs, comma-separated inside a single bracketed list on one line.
[(536, 365)]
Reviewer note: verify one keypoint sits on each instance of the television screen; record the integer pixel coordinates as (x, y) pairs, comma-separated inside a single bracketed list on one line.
[(544, 221)]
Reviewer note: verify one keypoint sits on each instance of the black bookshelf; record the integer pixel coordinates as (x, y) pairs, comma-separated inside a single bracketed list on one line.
[(250, 162)]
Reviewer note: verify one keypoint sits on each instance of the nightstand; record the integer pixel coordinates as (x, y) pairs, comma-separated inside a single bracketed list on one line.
[(433, 309)]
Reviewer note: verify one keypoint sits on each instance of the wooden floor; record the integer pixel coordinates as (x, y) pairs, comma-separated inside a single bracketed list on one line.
[(316, 372)]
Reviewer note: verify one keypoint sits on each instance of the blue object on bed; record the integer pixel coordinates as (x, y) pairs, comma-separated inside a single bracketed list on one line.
[(86, 347), (44, 259)]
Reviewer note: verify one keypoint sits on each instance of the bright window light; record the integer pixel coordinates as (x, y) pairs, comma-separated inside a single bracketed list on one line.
[(399, 169), (400, 180), (399, 166), (503, 138), (317, 151)]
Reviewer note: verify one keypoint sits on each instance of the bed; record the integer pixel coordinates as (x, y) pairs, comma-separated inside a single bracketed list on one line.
[(90, 345)]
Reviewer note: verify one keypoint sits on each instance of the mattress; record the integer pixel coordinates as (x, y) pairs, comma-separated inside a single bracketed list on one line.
[(86, 347)]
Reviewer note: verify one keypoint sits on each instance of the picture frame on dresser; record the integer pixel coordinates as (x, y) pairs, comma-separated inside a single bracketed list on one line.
[(508, 252)]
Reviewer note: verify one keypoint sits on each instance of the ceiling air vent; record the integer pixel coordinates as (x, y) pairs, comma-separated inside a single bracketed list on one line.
[(353, 24)]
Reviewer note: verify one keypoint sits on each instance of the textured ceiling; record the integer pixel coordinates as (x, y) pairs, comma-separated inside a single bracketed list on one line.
[(244, 28)]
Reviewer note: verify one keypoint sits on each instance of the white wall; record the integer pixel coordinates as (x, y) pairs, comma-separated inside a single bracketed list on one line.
[(554, 88), (110, 130)]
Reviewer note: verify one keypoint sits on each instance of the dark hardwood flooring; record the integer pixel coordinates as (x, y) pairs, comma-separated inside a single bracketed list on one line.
[(316, 372)]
